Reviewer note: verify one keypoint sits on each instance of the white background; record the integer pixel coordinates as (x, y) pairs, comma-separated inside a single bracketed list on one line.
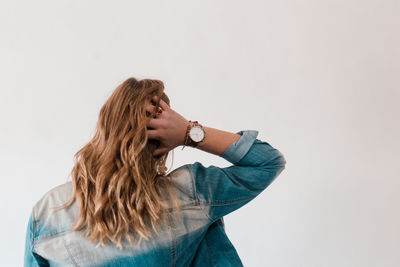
[(318, 79)]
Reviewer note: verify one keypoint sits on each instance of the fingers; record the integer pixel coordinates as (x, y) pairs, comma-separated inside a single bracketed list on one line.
[(156, 123), (153, 123), (152, 109), (159, 149), (152, 134), (163, 105)]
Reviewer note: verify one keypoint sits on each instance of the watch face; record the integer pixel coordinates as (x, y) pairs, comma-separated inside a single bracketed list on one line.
[(196, 133)]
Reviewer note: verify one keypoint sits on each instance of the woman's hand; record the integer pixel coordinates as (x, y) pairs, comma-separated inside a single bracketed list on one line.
[(168, 127)]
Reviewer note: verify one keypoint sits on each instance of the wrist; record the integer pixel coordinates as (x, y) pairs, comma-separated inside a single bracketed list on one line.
[(185, 132)]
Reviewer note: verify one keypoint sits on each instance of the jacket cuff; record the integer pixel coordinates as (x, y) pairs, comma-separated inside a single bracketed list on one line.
[(237, 150)]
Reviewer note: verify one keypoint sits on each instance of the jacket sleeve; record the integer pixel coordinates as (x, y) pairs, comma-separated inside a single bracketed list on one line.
[(31, 259), (223, 190)]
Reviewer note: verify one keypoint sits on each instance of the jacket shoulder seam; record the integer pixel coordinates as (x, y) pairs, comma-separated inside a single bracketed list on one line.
[(34, 230), (224, 203), (192, 179)]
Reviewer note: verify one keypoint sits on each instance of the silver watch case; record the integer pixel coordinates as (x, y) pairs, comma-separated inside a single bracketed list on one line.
[(197, 133)]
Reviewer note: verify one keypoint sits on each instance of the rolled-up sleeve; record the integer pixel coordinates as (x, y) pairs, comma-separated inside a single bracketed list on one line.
[(238, 149), (255, 165)]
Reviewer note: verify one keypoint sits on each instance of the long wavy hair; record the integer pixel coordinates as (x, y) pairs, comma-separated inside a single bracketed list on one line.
[(116, 179)]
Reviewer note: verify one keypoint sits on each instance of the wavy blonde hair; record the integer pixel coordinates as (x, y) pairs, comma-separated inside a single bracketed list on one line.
[(116, 179)]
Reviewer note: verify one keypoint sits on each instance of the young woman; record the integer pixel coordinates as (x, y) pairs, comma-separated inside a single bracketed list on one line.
[(122, 208)]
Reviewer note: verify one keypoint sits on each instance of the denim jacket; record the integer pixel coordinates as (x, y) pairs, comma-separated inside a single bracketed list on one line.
[(206, 195)]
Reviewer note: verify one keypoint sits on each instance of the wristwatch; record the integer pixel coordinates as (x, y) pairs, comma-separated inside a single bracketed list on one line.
[(195, 134)]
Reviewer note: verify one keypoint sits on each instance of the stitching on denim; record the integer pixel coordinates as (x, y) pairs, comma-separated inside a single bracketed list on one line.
[(33, 223), (192, 192), (200, 203), (34, 230), (188, 206), (70, 254), (40, 238), (173, 240), (224, 203), (193, 187)]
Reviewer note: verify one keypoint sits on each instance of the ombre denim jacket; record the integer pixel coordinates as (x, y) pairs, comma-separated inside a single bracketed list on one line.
[(198, 238)]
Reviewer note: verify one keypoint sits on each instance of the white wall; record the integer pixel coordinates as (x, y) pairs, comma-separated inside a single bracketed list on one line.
[(318, 79)]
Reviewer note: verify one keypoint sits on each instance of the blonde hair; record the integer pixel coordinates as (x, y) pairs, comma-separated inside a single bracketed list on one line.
[(116, 178)]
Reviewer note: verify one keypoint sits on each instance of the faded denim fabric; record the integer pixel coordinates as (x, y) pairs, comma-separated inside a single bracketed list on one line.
[(197, 239)]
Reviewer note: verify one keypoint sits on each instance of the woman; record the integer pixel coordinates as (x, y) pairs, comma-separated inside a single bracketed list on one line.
[(122, 208)]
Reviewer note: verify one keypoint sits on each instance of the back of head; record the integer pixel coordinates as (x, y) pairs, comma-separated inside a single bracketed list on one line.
[(115, 175)]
